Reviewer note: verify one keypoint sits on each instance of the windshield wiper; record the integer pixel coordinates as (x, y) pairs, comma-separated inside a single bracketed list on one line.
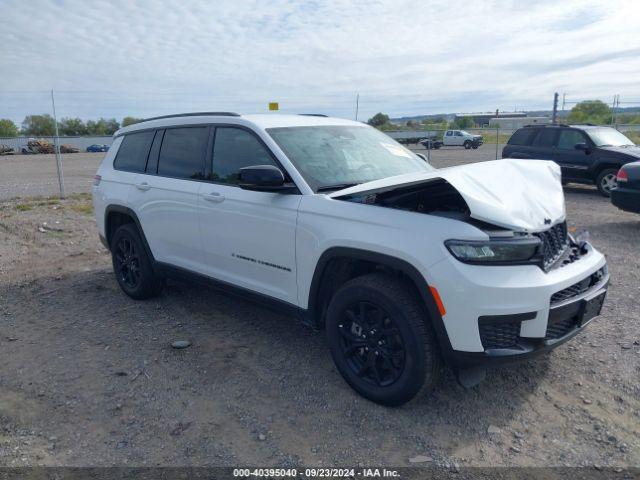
[(337, 186)]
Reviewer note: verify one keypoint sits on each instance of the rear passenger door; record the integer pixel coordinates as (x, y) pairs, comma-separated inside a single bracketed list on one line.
[(248, 237), (574, 163), (165, 196)]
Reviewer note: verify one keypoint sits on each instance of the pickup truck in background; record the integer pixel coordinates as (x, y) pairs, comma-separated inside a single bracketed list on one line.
[(461, 138)]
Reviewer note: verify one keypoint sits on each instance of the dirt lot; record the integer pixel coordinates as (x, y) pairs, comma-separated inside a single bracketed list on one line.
[(88, 376)]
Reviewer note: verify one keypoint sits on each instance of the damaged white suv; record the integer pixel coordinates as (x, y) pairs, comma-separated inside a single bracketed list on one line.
[(403, 265)]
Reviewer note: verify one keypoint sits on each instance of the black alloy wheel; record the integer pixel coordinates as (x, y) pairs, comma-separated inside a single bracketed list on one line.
[(371, 343)]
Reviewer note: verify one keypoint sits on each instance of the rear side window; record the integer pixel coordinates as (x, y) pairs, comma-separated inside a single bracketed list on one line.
[(545, 137), (521, 137), (133, 152), (234, 149), (182, 152), (569, 138)]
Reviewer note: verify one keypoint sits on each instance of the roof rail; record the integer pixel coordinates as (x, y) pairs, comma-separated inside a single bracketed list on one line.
[(313, 114), (193, 114)]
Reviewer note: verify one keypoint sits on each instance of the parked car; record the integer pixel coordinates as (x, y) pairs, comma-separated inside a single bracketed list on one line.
[(69, 149), (6, 149), (96, 147), (431, 143), (461, 138), (404, 266), (586, 154), (626, 194)]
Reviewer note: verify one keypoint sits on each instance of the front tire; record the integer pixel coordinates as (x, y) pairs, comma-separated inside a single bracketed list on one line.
[(606, 181), (381, 339), (131, 264), (467, 144)]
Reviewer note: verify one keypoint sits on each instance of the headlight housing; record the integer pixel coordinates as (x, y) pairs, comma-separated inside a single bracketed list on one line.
[(511, 251)]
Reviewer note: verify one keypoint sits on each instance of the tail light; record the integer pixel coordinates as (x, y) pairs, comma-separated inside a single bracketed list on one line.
[(96, 180), (622, 176)]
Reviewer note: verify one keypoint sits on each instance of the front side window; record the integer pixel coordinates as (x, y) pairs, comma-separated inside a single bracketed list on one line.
[(449, 133), (569, 138), (235, 148), (458, 134), (330, 157), (182, 152), (133, 152)]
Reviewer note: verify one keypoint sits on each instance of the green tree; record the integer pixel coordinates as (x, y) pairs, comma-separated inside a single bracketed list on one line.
[(590, 111), (72, 127), (38, 125), (378, 120), (126, 121), (8, 128), (102, 126), (463, 122)]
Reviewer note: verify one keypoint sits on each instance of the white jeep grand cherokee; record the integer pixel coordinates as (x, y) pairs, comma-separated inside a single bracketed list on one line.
[(403, 265)]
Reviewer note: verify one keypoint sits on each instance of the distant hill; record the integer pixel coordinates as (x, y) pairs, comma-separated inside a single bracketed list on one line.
[(531, 113)]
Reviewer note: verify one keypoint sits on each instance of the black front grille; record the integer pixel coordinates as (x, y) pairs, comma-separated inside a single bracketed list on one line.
[(499, 335), (561, 328), (578, 288), (555, 242)]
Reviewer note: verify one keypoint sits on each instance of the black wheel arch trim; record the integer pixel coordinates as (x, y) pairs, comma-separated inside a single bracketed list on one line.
[(395, 263), (130, 213)]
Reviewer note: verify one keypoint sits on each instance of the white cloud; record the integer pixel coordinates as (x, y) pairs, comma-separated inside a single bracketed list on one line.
[(114, 58)]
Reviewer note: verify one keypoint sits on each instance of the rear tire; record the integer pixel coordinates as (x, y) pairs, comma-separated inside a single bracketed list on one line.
[(131, 264), (381, 339), (606, 181), (467, 144), (475, 147)]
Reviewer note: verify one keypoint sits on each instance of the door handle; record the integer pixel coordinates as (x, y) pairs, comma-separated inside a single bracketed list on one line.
[(144, 186), (213, 197)]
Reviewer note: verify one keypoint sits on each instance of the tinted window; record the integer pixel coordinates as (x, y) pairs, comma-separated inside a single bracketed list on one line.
[(133, 152), (182, 152), (545, 137), (521, 137), (449, 133), (569, 138), (235, 148)]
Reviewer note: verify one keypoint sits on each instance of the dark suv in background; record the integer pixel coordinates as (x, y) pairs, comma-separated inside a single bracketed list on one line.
[(586, 153)]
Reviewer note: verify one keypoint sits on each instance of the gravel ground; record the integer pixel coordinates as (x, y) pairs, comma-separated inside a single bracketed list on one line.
[(89, 378)]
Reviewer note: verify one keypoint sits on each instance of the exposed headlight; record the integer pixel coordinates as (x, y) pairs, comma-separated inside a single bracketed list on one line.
[(503, 251)]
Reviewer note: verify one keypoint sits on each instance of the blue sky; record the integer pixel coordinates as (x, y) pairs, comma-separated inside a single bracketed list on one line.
[(144, 58)]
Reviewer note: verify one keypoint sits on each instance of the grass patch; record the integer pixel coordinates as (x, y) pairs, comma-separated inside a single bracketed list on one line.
[(24, 207), (85, 208)]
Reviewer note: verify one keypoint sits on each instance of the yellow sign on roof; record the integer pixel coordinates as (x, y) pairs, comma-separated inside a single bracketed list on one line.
[(274, 106)]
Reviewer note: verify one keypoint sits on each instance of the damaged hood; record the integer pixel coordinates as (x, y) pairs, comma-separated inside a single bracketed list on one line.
[(523, 195)]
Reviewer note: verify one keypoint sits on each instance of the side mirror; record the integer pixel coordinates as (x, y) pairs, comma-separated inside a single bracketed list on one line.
[(263, 178), (582, 146)]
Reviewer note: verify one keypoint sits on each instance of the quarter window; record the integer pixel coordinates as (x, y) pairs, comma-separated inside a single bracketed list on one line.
[(182, 152), (234, 149), (133, 152), (521, 137), (569, 138)]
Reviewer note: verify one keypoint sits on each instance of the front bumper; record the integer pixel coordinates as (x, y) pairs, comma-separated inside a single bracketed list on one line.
[(503, 314), (566, 320), (626, 199)]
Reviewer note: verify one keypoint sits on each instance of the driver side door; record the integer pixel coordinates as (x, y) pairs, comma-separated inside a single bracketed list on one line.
[(248, 237)]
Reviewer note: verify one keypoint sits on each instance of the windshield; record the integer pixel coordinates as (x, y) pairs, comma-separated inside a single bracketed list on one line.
[(608, 137), (333, 157)]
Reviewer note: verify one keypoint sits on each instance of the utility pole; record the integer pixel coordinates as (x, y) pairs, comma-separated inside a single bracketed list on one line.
[(57, 147), (357, 105), (554, 118), (616, 103), (564, 96)]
